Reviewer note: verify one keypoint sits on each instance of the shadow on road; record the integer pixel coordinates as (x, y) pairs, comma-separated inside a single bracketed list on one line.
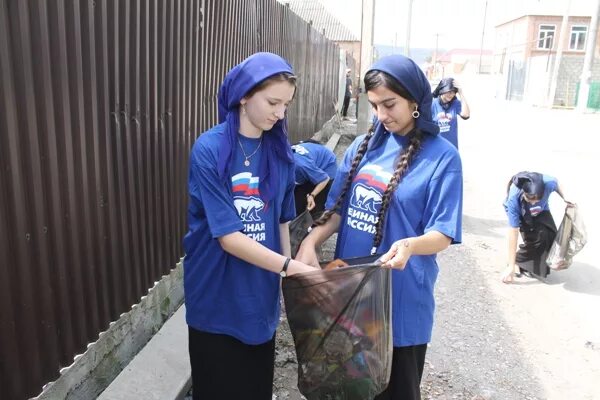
[(483, 227), (580, 278), (473, 346)]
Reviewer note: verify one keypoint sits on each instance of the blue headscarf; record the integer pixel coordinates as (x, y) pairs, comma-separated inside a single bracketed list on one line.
[(531, 183), (237, 83), (446, 85), (410, 76)]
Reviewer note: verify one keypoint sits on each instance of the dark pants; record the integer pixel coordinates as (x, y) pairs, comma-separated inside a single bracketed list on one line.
[(538, 235), (407, 371), (226, 369), (345, 106), (300, 193)]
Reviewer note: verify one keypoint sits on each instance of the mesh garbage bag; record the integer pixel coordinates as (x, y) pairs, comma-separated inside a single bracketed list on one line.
[(299, 228), (340, 320), (570, 239)]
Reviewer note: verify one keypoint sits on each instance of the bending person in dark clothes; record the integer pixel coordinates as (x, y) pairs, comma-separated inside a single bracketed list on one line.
[(527, 209)]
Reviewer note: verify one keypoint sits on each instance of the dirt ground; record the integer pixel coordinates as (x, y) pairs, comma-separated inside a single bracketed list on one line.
[(528, 340)]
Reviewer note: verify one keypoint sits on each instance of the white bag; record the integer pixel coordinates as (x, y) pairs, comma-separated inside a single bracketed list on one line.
[(570, 239)]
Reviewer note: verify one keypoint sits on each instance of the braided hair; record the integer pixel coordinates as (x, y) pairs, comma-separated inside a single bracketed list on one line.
[(362, 149), (373, 79), (404, 161)]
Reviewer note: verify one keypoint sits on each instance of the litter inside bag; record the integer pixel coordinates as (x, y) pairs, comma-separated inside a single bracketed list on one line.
[(341, 323), (570, 239), (299, 228)]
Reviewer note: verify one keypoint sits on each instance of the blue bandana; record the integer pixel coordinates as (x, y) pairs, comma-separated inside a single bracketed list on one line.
[(531, 183), (237, 83), (409, 75)]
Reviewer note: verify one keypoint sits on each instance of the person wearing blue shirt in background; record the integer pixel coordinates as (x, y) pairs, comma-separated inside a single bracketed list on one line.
[(315, 169), (241, 184), (446, 107), (398, 191), (527, 209)]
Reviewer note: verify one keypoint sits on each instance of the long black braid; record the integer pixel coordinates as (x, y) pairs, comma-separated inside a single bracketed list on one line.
[(362, 150), (404, 162)]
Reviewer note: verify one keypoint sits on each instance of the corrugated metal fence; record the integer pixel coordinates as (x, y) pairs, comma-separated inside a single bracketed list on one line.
[(100, 102)]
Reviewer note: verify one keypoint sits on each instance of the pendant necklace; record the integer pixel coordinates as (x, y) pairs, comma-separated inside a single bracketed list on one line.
[(247, 157)]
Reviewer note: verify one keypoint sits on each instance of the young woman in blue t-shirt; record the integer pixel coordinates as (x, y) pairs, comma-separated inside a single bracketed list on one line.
[(528, 212), (398, 191), (446, 108), (241, 197)]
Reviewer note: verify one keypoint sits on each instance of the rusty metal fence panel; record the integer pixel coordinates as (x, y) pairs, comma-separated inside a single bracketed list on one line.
[(100, 102)]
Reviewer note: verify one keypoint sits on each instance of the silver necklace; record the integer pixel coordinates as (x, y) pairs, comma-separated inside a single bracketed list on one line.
[(247, 157)]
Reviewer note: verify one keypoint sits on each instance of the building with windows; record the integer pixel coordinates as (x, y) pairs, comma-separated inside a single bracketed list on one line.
[(525, 54)]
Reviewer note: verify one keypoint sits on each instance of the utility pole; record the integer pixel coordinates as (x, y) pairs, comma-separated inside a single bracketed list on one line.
[(366, 59), (434, 58), (482, 36), (588, 61), (437, 38), (558, 58), (408, 29)]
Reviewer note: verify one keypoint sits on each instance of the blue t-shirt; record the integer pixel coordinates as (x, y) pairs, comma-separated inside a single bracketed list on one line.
[(447, 119), (429, 198), (224, 294), (512, 204), (314, 163)]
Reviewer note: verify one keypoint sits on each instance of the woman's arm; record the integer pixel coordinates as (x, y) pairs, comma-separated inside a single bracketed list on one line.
[(513, 237), (429, 243), (249, 250), (284, 238), (511, 268), (319, 234), (465, 112), (317, 189), (560, 192)]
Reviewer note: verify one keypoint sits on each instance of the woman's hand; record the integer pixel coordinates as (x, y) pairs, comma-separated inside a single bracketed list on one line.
[(508, 276), (398, 255), (310, 202), (457, 85)]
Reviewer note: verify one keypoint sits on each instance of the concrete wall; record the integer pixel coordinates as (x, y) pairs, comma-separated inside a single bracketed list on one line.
[(92, 371)]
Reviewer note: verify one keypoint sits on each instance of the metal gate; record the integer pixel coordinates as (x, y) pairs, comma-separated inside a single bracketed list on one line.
[(516, 80), (100, 102)]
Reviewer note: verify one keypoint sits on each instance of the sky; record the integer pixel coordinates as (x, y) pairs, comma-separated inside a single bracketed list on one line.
[(455, 23), (429, 18)]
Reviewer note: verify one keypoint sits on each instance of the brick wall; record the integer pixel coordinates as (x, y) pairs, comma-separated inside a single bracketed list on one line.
[(568, 77)]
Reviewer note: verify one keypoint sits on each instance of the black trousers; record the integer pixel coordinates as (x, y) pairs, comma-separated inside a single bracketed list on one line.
[(538, 235), (300, 193), (345, 106), (226, 369), (407, 371)]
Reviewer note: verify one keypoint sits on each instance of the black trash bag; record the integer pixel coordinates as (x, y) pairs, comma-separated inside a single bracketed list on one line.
[(341, 323), (299, 228), (570, 239)]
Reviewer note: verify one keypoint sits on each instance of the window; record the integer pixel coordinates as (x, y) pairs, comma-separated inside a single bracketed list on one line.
[(546, 36), (578, 34)]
